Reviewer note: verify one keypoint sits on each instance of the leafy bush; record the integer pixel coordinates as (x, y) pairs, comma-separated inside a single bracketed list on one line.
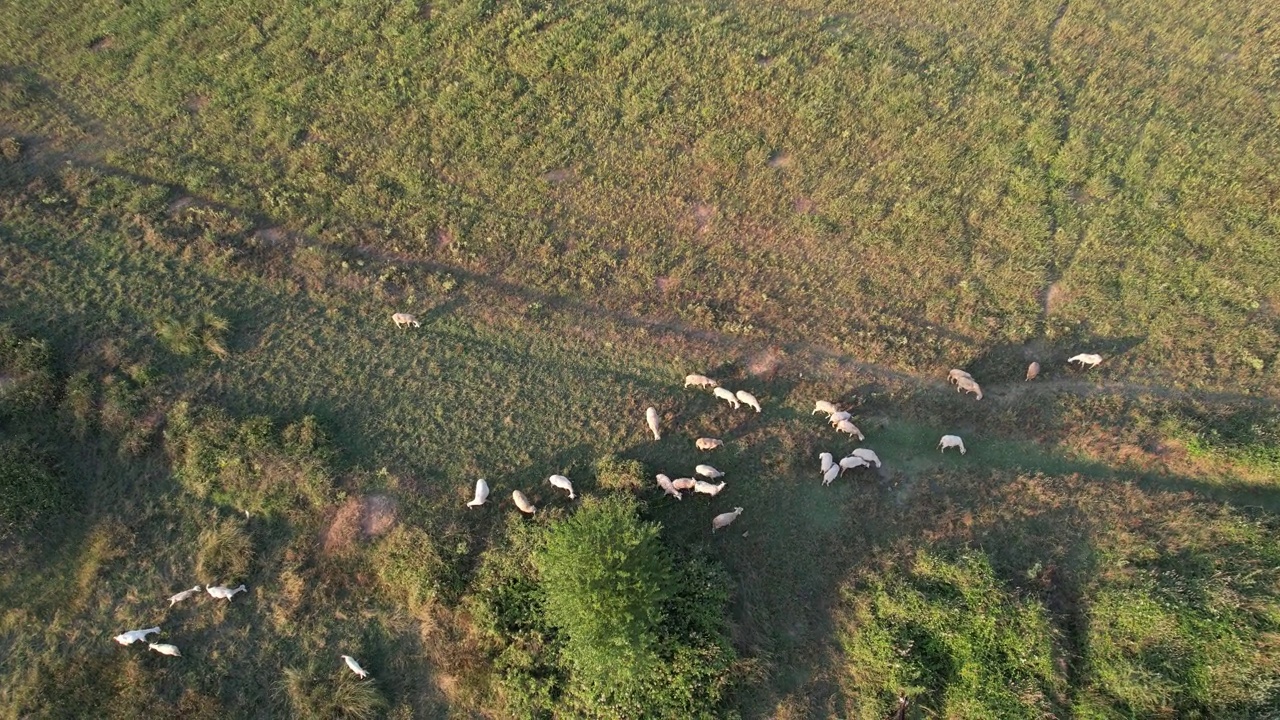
[(614, 473), (29, 487), (410, 566), (944, 633)]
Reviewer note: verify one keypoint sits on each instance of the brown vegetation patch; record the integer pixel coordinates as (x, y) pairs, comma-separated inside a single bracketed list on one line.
[(780, 160), (804, 205), (558, 176), (270, 236), (359, 517), (702, 215), (377, 516), (665, 283), (104, 42), (1054, 298), (197, 103), (444, 238), (765, 364), (177, 206)]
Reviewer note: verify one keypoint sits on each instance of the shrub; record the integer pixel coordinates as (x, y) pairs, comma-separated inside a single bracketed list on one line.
[(410, 566), (614, 473)]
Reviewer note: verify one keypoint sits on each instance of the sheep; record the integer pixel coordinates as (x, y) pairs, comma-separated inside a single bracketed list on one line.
[(482, 493), (868, 455), (133, 636), (523, 503), (950, 441), (699, 381), (968, 384), (165, 649), (651, 417), (175, 599), (723, 519), (221, 592), (727, 396), (1085, 359), (956, 374), (563, 483), (404, 320), (827, 461), (837, 417), (684, 483), (708, 472), (830, 474), (1033, 371), (845, 426), (748, 399), (355, 667), (824, 406), (708, 443), (853, 461), (706, 488), (664, 482)]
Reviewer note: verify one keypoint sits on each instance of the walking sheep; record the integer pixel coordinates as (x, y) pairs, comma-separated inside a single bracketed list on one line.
[(968, 384), (845, 426), (853, 461), (651, 417), (956, 374), (482, 493), (723, 519), (708, 472), (706, 488), (825, 407), (1085, 359), (749, 399), (699, 381), (727, 396), (404, 320), (708, 443)]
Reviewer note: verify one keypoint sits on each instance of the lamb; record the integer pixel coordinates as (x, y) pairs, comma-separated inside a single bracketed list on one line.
[(1033, 371), (956, 374), (831, 474), (868, 455), (727, 396), (853, 461), (827, 461), (967, 384), (174, 599), (563, 483), (651, 417), (837, 417), (706, 488), (404, 320), (523, 503), (845, 426), (950, 441), (684, 483), (1085, 359), (723, 519), (699, 381), (664, 482), (708, 443), (708, 472), (824, 406), (748, 399)]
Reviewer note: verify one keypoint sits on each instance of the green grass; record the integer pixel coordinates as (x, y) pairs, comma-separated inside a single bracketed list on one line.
[(208, 213)]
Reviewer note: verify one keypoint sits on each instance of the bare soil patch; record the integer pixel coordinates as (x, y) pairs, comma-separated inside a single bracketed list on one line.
[(780, 160), (804, 206), (271, 236), (197, 103), (765, 363), (702, 216), (358, 518), (377, 516), (558, 176), (1054, 298), (665, 283), (177, 206)]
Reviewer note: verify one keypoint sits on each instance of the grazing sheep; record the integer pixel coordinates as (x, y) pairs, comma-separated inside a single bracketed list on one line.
[(837, 417), (968, 384), (133, 636), (723, 519), (748, 399), (950, 441), (706, 488), (482, 493), (651, 417), (224, 593), (165, 649), (831, 474), (355, 667), (824, 406), (708, 443), (727, 396), (684, 483), (827, 461), (708, 472), (699, 381), (404, 320), (868, 455), (175, 599), (664, 482), (1085, 359), (845, 426), (956, 374), (563, 483), (1033, 371), (853, 461), (523, 503)]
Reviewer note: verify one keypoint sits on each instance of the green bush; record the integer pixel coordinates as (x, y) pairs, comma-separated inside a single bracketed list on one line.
[(411, 567)]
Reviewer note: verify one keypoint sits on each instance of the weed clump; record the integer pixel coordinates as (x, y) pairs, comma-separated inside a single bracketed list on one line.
[(342, 696), (224, 552), (614, 473)]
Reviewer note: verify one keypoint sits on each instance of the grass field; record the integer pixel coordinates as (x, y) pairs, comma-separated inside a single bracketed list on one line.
[(210, 211)]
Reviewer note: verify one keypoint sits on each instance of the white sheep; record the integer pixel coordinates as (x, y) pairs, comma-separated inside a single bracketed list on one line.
[(1085, 359), (825, 407), (699, 381), (956, 374), (723, 519), (708, 472), (727, 396), (708, 443), (165, 649), (175, 599), (523, 503), (837, 417), (355, 667), (748, 399), (845, 426), (404, 320), (222, 592), (1033, 370), (664, 482), (968, 384), (831, 474), (133, 636), (651, 417), (827, 461), (482, 493), (706, 488), (563, 483), (950, 441), (684, 483), (851, 462), (868, 455)]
